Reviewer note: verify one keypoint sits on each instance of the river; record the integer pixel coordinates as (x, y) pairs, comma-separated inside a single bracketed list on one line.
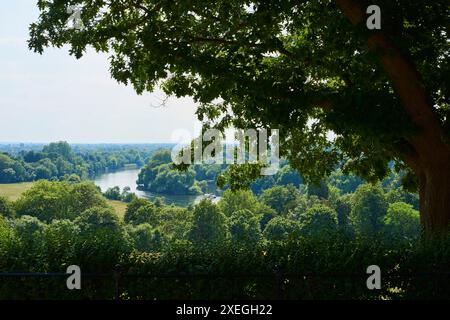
[(128, 177)]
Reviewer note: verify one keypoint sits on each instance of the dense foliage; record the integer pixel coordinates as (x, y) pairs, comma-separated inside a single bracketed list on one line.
[(307, 68), (281, 233), (161, 176)]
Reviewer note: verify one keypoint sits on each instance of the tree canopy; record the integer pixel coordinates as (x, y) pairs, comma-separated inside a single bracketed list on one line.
[(307, 68)]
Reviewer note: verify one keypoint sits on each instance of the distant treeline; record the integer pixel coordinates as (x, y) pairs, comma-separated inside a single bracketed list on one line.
[(61, 161)]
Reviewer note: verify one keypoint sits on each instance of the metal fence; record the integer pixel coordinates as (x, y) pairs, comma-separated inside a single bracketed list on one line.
[(119, 280)]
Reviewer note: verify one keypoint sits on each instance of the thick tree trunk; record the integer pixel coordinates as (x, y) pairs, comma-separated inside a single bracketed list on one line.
[(430, 157), (434, 192)]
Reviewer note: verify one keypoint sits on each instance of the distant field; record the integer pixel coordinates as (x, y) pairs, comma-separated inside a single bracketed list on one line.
[(119, 207), (14, 190)]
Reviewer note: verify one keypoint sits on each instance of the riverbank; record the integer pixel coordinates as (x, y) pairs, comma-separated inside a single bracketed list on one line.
[(122, 178), (128, 178)]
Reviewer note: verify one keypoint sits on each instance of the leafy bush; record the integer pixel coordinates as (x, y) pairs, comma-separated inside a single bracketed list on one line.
[(319, 221), (368, 210), (133, 207), (402, 221), (145, 238), (6, 208), (103, 240), (231, 202), (281, 229), (113, 193), (209, 224), (48, 200), (281, 199), (244, 228)]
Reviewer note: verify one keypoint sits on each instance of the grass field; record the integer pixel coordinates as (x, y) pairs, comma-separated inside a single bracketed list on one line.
[(119, 207), (14, 190)]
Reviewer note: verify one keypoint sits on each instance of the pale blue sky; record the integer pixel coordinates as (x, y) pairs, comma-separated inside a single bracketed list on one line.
[(56, 97)]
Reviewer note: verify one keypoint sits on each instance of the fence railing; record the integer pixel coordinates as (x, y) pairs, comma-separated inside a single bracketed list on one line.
[(279, 278)]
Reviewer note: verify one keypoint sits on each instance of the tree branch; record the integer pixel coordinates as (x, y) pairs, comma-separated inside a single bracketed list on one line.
[(406, 81)]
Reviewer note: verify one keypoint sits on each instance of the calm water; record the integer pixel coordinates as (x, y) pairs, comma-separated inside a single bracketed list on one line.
[(127, 178)]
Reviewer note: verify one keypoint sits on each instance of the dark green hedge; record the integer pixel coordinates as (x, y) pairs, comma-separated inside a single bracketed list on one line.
[(306, 269)]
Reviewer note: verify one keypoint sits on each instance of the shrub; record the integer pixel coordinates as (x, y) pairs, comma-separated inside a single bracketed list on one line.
[(319, 220), (402, 221), (146, 238), (209, 224), (6, 208), (132, 207), (281, 229), (244, 228), (368, 209)]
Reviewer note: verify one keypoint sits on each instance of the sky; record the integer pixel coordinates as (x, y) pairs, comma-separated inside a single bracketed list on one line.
[(54, 97)]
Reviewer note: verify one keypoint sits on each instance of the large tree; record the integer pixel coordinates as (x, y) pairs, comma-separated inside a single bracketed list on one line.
[(303, 67)]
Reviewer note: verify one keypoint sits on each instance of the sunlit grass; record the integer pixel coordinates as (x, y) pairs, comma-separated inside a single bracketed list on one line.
[(119, 207), (13, 191)]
